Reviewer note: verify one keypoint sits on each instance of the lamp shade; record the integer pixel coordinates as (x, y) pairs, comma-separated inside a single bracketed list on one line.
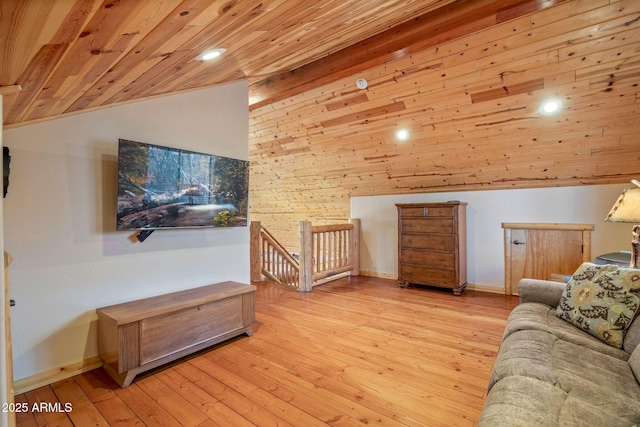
[(627, 207)]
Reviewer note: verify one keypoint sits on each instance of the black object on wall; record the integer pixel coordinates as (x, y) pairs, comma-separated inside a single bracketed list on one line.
[(143, 234), (6, 159)]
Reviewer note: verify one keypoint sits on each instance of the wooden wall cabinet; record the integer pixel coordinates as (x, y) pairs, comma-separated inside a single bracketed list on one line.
[(432, 245), (136, 336), (543, 251)]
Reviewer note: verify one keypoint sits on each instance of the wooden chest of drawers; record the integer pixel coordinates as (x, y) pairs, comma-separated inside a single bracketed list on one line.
[(432, 247)]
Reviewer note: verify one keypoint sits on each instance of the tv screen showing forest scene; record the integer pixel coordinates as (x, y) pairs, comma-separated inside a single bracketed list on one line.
[(162, 187)]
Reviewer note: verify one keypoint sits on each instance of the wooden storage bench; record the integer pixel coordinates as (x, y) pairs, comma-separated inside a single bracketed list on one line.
[(136, 336)]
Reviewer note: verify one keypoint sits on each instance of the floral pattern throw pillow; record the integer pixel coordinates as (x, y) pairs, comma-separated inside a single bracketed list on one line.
[(602, 300)]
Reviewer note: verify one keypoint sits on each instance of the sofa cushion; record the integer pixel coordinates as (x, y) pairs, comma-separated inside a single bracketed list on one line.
[(526, 353), (634, 363), (632, 338), (541, 317), (603, 381), (523, 401), (601, 300)]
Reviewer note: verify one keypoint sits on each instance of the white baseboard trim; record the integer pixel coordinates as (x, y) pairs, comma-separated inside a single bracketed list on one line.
[(57, 374)]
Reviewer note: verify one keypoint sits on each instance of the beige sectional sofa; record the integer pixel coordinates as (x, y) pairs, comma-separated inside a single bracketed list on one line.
[(551, 371)]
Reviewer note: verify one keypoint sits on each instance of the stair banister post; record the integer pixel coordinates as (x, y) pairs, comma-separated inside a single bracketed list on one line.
[(306, 256), (354, 250), (255, 252)]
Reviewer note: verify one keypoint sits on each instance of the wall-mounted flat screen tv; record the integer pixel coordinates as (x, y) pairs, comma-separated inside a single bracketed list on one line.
[(161, 187)]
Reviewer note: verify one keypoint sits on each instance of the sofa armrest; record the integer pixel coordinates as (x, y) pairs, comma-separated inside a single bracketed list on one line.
[(543, 291)]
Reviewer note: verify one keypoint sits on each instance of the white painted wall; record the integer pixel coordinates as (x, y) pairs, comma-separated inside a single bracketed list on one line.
[(486, 211), (59, 221)]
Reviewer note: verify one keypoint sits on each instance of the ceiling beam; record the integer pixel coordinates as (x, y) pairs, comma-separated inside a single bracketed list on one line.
[(450, 22)]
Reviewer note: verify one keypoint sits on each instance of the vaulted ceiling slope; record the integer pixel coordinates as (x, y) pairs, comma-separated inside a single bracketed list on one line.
[(64, 56), (469, 96)]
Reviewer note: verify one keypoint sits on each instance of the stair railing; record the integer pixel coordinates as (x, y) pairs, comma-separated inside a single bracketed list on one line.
[(270, 259), (327, 252)]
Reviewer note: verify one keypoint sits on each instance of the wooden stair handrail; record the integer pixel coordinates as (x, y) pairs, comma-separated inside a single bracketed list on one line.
[(328, 260), (281, 249), (279, 266), (327, 252), (285, 269)]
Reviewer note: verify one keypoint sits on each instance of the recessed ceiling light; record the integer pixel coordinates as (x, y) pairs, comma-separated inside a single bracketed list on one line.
[(402, 134), (550, 106), (211, 54)]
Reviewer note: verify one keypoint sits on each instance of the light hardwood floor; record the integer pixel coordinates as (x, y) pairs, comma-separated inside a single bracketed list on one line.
[(352, 352)]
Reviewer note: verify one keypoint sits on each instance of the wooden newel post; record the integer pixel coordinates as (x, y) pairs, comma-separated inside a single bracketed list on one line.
[(355, 246), (306, 257), (255, 252)]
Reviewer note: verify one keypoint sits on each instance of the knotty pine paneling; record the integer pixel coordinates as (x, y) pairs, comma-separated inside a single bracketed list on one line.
[(74, 55), (471, 107)]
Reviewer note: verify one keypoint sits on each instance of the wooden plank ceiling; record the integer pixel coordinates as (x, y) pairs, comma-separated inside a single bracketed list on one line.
[(74, 55), (468, 90)]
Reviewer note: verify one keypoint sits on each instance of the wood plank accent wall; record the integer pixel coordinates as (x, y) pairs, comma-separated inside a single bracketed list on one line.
[(471, 106)]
